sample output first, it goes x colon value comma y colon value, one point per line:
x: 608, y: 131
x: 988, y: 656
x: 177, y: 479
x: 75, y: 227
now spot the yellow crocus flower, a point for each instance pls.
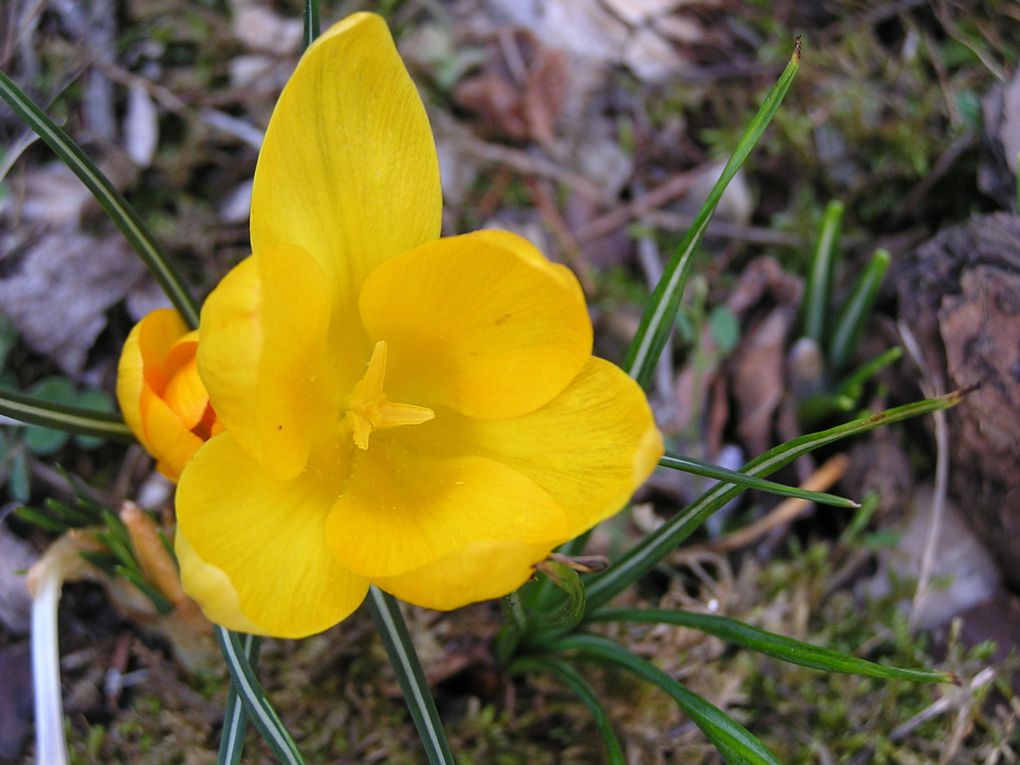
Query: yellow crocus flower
x: 419, y: 413
x: 160, y: 392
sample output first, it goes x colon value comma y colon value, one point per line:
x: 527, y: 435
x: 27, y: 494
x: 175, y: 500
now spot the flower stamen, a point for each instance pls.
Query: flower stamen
x: 368, y: 409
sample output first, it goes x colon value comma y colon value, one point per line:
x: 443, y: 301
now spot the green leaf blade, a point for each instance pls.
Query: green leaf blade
x: 108, y: 196
x: 658, y: 318
x: 819, y: 284
x: 69, y: 419
x: 772, y: 644
x: 736, y: 478
x: 736, y: 744
x: 390, y: 624
x: 573, y: 680
x: 644, y: 556
x: 857, y: 310
x: 256, y: 705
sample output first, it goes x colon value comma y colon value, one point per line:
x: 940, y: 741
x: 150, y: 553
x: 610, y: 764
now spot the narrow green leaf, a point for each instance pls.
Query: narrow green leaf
x: 784, y: 648
x: 256, y: 705
x: 73, y: 517
x: 735, y: 743
x: 852, y: 533
x: 42, y: 520
x: 573, y: 680
x: 70, y: 419
x: 852, y: 385
x: 390, y: 624
x: 819, y: 285
x: 659, y: 315
x: 857, y: 310
x: 646, y: 555
x: 116, y: 206
x: 159, y: 602
x: 313, y: 26
x: 697, y: 467
x: 235, y: 719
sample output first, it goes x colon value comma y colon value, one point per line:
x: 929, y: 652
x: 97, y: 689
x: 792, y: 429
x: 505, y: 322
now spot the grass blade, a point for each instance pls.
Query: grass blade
x: 235, y: 719
x: 857, y: 309
x: 784, y: 648
x: 735, y: 743
x: 390, y: 624
x: 573, y: 680
x: 256, y: 705
x: 697, y: 467
x: 71, y: 419
x: 644, y: 556
x: 659, y: 315
x: 116, y: 206
x: 313, y: 26
x: 819, y: 286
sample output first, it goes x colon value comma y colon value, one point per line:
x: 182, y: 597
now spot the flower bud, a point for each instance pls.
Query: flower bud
x: 160, y: 393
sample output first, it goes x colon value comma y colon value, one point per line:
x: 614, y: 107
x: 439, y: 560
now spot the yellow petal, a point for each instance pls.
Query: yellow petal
x: 210, y: 588
x: 482, y: 323
x: 348, y: 170
x: 481, y: 571
x: 266, y: 537
x: 141, y: 364
x: 263, y: 357
x: 167, y: 439
x: 590, y: 448
x: 186, y: 395
x: 401, y: 511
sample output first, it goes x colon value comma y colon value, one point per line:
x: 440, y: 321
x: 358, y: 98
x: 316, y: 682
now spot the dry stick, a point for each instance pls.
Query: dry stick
x: 624, y: 214
x: 788, y: 510
x: 241, y: 130
x: 528, y: 164
x: 546, y: 206
x: 931, y: 386
x: 677, y: 221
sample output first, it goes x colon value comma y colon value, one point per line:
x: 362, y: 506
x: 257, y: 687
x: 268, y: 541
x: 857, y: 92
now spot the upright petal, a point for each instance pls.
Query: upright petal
x: 482, y: 323
x: 348, y: 170
x: 401, y: 511
x: 256, y: 551
x: 263, y: 357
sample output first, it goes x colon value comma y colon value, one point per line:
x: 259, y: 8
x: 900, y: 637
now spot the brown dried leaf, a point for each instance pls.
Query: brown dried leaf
x: 56, y: 290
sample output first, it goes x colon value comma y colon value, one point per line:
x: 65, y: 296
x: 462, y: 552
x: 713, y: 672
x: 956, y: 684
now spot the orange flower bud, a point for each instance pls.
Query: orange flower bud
x: 160, y: 393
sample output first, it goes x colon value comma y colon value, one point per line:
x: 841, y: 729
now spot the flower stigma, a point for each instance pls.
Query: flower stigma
x: 368, y: 408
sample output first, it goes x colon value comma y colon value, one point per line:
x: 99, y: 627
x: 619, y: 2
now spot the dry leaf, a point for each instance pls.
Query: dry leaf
x: 56, y: 290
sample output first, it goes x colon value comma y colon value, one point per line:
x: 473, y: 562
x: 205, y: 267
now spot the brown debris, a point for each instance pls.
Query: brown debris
x: 960, y: 294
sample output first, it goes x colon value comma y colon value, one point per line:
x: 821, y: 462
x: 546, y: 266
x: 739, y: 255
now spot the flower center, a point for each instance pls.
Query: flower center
x: 368, y: 409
